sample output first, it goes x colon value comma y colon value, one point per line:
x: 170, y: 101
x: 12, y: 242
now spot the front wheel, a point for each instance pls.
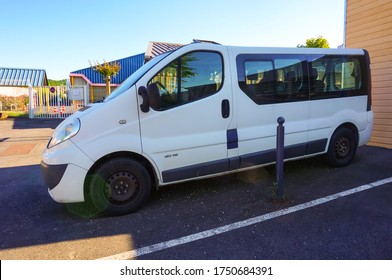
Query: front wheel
x: 342, y: 147
x: 119, y: 186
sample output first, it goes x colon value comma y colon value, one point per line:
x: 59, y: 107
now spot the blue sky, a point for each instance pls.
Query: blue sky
x: 61, y: 36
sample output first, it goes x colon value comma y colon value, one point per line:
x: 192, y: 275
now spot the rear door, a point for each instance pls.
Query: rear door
x: 184, y: 133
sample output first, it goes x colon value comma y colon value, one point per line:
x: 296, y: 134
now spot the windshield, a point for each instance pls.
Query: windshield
x: 131, y: 80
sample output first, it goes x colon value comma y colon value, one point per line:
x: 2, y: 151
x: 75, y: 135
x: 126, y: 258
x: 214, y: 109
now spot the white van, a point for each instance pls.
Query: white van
x: 205, y: 110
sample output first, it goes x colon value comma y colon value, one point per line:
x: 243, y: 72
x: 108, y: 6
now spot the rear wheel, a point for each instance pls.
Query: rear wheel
x: 342, y: 147
x: 119, y: 186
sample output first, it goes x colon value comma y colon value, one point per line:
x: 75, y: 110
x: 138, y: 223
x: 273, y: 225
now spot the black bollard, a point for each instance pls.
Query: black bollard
x: 280, y: 157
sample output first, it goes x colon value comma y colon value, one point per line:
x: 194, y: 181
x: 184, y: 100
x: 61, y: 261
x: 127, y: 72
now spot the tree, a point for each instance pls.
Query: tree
x: 319, y: 42
x: 57, y: 82
x: 107, y: 70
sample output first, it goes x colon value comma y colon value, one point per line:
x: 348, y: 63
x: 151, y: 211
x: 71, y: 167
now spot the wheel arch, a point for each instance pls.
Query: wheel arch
x: 342, y: 146
x: 150, y: 169
x: 350, y: 126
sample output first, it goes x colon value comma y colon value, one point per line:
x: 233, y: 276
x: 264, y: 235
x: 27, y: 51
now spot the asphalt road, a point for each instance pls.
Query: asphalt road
x: 356, y: 226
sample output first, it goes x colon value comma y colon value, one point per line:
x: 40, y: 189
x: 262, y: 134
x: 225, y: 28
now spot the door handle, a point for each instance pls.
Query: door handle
x: 225, y: 108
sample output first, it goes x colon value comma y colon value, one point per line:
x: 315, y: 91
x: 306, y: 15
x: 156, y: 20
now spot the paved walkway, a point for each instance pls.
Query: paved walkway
x: 23, y: 140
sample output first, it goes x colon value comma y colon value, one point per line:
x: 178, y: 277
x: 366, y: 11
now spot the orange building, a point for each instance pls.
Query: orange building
x: 369, y: 26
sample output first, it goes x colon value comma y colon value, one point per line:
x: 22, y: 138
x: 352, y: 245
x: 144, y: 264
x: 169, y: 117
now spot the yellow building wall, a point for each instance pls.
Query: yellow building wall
x: 369, y: 26
x: 97, y: 92
x: 78, y: 81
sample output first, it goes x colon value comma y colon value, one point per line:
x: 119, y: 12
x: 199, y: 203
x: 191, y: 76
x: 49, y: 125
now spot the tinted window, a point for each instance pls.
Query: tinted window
x: 191, y: 77
x: 272, y: 79
x: 332, y: 76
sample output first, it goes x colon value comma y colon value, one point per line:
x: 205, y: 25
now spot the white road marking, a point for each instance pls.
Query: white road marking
x: 219, y: 230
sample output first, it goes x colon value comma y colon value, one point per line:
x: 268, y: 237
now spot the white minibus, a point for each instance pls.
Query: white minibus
x: 204, y: 110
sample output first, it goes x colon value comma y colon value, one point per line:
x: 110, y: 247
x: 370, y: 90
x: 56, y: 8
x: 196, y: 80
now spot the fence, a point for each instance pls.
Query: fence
x: 56, y: 102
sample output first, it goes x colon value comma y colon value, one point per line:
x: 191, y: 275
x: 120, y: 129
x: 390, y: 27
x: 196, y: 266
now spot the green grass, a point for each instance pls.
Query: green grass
x: 16, y: 114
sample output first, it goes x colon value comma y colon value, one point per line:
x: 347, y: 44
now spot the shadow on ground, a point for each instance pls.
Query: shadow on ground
x: 23, y: 123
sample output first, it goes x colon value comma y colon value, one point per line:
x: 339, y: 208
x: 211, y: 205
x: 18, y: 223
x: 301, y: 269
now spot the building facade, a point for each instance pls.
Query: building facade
x: 14, y: 86
x: 369, y: 26
x: 95, y: 82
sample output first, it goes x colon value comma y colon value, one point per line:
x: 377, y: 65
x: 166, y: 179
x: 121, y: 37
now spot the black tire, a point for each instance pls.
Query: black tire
x: 342, y: 147
x: 119, y: 186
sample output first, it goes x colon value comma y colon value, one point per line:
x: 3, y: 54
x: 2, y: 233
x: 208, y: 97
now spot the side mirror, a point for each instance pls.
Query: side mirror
x: 145, y: 106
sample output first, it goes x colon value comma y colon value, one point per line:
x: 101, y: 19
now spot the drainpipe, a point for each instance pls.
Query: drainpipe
x: 345, y: 23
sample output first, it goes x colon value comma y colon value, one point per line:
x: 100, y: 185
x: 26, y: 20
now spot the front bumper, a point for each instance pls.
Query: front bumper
x: 64, y: 168
x: 52, y: 173
x: 70, y: 186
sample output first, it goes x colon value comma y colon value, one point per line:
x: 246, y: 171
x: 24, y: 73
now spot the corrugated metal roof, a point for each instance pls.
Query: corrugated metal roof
x: 128, y: 66
x: 22, y: 77
x: 157, y: 48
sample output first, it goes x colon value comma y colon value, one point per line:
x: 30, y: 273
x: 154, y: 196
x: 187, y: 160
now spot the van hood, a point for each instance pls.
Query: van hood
x: 86, y: 110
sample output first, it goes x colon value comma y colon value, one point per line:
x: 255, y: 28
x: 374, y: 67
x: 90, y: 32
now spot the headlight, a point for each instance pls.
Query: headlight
x: 64, y: 131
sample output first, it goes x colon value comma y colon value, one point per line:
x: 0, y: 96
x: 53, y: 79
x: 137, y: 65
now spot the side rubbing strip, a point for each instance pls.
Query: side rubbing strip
x: 194, y: 171
x: 232, y: 139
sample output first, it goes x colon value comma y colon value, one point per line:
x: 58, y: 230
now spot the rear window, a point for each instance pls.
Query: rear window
x: 335, y: 76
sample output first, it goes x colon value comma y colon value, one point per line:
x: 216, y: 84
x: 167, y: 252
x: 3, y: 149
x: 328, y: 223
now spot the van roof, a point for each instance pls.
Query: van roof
x: 283, y: 50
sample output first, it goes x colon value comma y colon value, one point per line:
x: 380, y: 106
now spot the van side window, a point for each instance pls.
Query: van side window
x: 190, y: 77
x: 335, y: 77
x: 272, y: 79
x: 347, y: 74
